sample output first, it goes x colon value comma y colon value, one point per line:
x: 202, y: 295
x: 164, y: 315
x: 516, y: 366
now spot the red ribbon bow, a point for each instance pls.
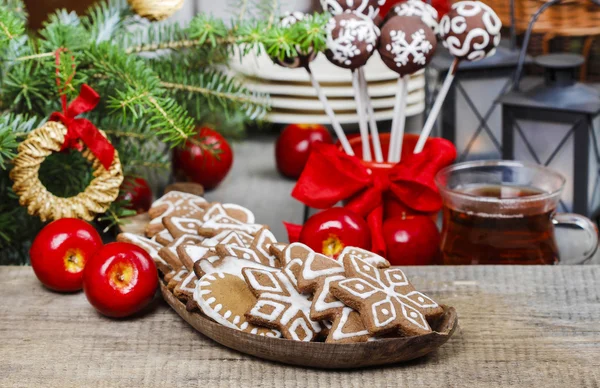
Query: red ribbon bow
x: 83, y: 129
x: 331, y: 176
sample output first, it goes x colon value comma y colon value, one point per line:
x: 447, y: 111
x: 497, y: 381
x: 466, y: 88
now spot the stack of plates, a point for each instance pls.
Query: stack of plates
x: 294, y: 100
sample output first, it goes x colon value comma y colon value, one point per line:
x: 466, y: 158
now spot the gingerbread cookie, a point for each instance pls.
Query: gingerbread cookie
x: 317, y: 274
x: 232, y: 210
x: 262, y: 243
x: 384, y: 298
x: 189, y: 224
x: 280, y: 305
x: 225, y: 298
x: 164, y: 237
x: 150, y: 246
x: 347, y: 328
x: 189, y: 254
x: 182, y: 208
x: 221, y: 223
x: 179, y: 276
x: 228, y: 264
x: 167, y: 203
x: 184, y: 290
x: 169, y: 253
x: 239, y: 252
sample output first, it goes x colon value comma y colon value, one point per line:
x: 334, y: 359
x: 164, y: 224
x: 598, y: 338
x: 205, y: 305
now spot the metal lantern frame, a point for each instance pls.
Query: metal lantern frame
x: 578, y: 118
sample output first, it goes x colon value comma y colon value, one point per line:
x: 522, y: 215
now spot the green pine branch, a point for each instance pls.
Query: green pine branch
x: 210, y: 89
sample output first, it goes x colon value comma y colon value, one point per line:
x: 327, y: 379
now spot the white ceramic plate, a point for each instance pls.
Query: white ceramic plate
x: 381, y: 89
x: 280, y: 117
x: 346, y: 104
x: 262, y: 67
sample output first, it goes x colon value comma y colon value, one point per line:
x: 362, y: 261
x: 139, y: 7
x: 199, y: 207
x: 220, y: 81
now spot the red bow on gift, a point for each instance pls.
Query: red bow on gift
x: 331, y: 176
x: 83, y: 129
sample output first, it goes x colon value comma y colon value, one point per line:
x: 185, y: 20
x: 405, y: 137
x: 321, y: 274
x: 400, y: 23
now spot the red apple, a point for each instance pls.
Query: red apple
x: 412, y: 240
x: 136, y: 191
x: 60, y: 252
x: 205, y: 159
x: 120, y: 280
x: 331, y: 230
x: 294, y: 145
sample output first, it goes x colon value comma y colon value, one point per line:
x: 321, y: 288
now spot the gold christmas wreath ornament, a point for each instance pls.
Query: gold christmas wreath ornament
x: 155, y: 9
x: 96, y: 198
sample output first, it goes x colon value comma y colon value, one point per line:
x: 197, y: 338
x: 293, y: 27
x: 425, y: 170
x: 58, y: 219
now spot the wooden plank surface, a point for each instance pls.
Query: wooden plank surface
x: 519, y: 327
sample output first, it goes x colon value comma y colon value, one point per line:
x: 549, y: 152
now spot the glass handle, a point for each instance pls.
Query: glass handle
x: 576, y: 222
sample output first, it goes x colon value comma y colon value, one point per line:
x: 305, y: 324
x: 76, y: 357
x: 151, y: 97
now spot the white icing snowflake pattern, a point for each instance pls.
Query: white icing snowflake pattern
x: 280, y: 304
x: 418, y: 8
x: 395, y: 304
x: 351, y: 32
x: 403, y: 50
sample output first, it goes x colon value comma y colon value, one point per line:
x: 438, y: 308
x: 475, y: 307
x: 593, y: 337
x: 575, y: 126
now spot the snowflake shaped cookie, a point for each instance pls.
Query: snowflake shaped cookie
x: 280, y: 305
x: 384, y: 298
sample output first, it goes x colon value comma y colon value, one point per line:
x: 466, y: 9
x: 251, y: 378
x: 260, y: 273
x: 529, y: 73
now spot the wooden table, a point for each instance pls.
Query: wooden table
x: 519, y: 327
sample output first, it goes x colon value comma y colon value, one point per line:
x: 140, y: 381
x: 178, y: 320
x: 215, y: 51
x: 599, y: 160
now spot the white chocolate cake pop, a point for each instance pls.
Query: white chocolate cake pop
x: 351, y: 40
x: 407, y: 44
x: 369, y: 8
x: 426, y: 12
x: 303, y: 58
x: 471, y: 30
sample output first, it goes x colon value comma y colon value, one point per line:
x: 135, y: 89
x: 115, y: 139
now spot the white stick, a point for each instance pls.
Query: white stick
x: 396, y: 115
x: 362, y: 120
x: 401, y: 120
x: 339, y: 131
x: 371, y: 115
x: 435, y: 111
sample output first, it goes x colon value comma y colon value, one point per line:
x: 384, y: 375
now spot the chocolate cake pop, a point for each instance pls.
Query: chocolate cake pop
x: 303, y: 58
x: 426, y: 12
x: 407, y: 44
x: 351, y: 40
x: 471, y: 30
x: 369, y: 8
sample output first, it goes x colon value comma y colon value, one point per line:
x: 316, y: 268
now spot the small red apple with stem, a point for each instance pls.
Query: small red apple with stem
x: 137, y: 192
x: 120, y: 280
x: 205, y: 159
x: 412, y: 240
x: 60, y: 252
x: 294, y: 146
x: 331, y: 230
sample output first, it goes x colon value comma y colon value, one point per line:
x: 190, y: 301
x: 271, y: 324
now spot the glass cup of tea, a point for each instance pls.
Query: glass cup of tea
x: 504, y: 212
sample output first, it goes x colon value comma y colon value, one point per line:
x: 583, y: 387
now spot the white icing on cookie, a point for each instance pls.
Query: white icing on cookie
x: 149, y: 245
x: 339, y: 334
x: 284, y: 303
x: 222, y: 222
x: 220, y: 310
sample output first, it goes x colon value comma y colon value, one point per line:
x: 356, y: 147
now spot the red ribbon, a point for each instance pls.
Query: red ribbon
x: 331, y: 176
x: 80, y: 128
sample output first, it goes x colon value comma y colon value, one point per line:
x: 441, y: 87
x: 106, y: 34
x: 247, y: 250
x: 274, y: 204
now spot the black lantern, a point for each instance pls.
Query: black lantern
x: 557, y: 123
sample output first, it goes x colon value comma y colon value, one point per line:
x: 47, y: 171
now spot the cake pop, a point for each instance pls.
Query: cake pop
x: 470, y: 31
x: 407, y: 45
x: 303, y: 60
x: 426, y: 12
x: 369, y: 8
x: 352, y: 38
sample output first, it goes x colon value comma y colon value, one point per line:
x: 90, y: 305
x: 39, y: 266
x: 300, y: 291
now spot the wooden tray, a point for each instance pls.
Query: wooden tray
x: 318, y: 354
